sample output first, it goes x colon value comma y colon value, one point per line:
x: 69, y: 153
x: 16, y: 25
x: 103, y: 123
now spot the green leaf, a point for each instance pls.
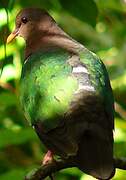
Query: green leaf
x: 84, y: 10
x: 111, y: 4
x: 4, y: 3
x: 39, y: 3
x: 7, y: 99
x: 8, y: 4
x: 14, y: 174
x: 11, y: 4
x: 16, y: 137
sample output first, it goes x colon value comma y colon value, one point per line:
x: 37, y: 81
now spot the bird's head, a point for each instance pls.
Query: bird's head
x: 31, y: 22
x: 40, y: 31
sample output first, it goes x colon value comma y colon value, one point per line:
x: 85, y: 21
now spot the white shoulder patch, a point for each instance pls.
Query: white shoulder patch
x: 80, y: 69
x: 85, y: 87
x: 82, y: 75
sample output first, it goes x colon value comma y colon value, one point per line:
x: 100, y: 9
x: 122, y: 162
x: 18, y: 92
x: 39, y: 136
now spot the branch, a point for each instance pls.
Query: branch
x: 120, y: 163
x: 46, y: 170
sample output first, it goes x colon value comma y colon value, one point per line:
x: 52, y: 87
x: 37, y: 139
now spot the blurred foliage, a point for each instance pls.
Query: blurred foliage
x: 101, y: 26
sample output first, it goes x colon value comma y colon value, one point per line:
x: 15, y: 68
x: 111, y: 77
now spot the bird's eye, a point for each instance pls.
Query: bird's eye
x: 24, y: 20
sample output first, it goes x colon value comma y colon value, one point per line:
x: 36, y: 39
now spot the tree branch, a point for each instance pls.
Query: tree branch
x: 120, y: 163
x: 46, y: 170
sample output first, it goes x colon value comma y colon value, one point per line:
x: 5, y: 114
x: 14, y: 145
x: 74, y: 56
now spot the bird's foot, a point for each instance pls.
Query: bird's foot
x: 48, y: 158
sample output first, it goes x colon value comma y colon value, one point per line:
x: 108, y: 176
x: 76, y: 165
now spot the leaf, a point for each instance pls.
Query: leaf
x: 39, y: 3
x: 4, y: 3
x: 16, y: 174
x: 84, y: 10
x: 7, y: 4
x: 7, y: 99
x: 111, y: 4
x: 11, y: 4
x: 13, y: 174
x: 20, y: 136
x: 119, y: 149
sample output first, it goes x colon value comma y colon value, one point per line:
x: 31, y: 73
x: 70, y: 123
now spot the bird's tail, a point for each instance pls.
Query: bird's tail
x: 95, y: 156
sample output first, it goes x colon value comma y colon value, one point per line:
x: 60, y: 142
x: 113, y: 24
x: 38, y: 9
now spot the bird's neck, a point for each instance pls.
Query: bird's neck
x: 56, y: 38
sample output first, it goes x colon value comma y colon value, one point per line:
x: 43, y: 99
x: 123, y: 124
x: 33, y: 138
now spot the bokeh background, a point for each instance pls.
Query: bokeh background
x: 98, y: 24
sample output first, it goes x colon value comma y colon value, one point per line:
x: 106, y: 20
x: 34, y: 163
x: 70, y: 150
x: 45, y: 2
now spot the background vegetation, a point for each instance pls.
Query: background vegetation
x: 101, y: 26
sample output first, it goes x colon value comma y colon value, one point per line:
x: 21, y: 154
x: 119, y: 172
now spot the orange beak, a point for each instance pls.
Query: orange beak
x: 12, y: 36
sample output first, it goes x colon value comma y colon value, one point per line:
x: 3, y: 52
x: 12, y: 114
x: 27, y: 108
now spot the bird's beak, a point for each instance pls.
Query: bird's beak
x: 12, y: 36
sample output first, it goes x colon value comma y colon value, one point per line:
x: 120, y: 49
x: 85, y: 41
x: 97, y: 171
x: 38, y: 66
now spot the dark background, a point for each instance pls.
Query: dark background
x: 101, y: 26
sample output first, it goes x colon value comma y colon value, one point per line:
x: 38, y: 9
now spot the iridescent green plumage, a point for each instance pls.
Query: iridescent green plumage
x: 50, y: 86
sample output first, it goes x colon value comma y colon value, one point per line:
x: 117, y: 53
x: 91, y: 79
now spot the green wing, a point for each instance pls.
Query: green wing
x: 100, y: 81
x: 47, y: 87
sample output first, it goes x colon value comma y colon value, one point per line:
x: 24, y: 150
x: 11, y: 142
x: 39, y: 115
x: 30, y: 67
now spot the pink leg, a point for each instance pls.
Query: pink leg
x: 48, y: 157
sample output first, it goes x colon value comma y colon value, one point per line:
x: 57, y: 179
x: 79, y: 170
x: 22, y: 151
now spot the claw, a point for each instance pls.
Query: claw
x: 48, y: 157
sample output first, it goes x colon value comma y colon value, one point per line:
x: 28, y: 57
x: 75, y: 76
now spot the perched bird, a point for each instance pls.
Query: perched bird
x: 66, y: 94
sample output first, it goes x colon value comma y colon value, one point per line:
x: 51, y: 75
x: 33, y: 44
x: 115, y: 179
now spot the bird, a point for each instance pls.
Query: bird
x: 65, y: 94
